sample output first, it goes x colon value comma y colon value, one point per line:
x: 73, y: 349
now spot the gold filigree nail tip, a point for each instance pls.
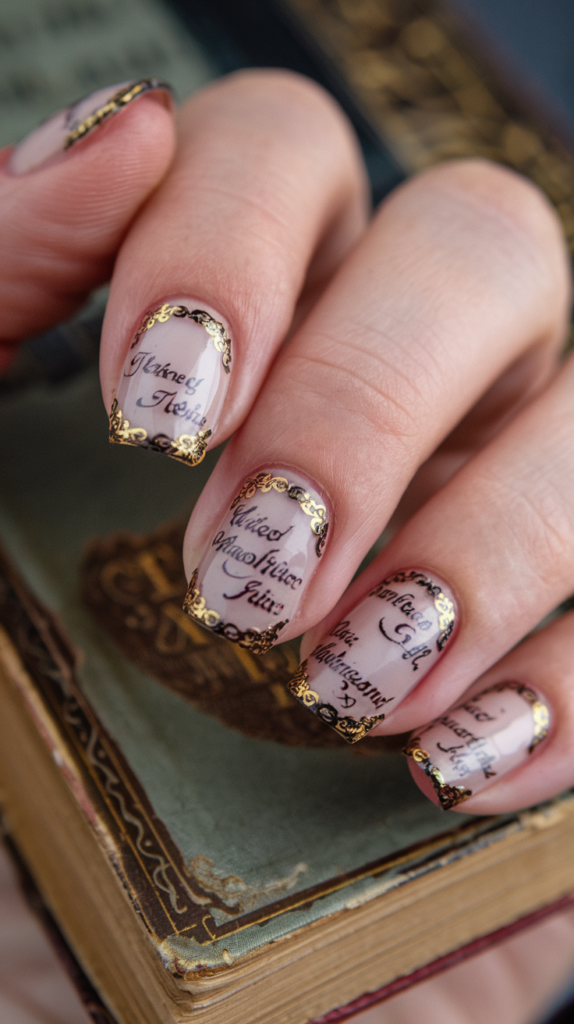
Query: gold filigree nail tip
x: 253, y: 640
x: 215, y: 329
x: 540, y: 711
x: 188, y: 448
x: 117, y: 102
x: 265, y: 482
x: 448, y: 796
x: 351, y: 729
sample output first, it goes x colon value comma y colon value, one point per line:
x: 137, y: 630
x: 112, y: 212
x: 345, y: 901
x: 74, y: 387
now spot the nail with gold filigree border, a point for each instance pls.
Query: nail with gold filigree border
x: 174, y: 381
x: 66, y: 128
x: 377, y: 654
x: 260, y: 559
x: 486, y: 735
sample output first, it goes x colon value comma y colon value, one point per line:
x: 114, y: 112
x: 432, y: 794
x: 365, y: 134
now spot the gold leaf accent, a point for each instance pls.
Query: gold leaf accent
x: 263, y: 482
x: 216, y: 330
x: 117, y: 102
x: 259, y: 642
x: 351, y: 729
x: 446, y: 617
x: 299, y: 687
x: 254, y: 640
x: 190, y: 448
x: 541, y: 719
x: 449, y: 796
x: 540, y: 712
x: 194, y: 605
x: 218, y: 334
x: 266, y: 482
x: 120, y: 430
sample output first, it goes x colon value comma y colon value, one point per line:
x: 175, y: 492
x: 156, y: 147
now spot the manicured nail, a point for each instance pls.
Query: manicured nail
x: 68, y: 126
x: 173, y: 383
x: 374, y: 657
x: 260, y: 559
x: 481, y: 739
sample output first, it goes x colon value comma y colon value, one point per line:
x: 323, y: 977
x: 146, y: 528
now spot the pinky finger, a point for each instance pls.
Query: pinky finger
x: 508, y: 741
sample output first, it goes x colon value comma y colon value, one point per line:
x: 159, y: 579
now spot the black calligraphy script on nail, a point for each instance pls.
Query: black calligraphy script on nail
x: 163, y: 370
x: 405, y: 634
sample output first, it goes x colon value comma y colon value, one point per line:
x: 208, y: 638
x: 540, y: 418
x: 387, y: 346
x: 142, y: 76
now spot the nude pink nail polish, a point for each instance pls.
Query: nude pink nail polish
x: 68, y: 126
x: 261, y: 557
x: 373, y: 658
x: 173, y: 382
x: 477, y: 741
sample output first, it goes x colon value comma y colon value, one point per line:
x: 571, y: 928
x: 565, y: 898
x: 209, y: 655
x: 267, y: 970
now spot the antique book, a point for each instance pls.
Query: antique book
x: 207, y: 847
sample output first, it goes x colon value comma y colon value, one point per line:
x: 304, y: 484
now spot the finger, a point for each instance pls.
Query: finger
x: 68, y: 192
x: 499, y: 536
x: 414, y: 328
x: 507, y: 743
x: 267, y: 193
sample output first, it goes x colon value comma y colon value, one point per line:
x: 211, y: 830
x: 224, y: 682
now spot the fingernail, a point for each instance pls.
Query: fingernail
x: 374, y: 657
x: 261, y: 557
x: 68, y: 126
x: 479, y: 740
x: 173, y: 382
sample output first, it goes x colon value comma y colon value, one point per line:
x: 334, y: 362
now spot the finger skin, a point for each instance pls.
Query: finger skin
x: 61, y: 224
x: 267, y: 189
x: 416, y: 325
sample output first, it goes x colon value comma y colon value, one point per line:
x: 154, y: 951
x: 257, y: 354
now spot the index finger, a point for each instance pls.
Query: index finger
x: 265, y: 197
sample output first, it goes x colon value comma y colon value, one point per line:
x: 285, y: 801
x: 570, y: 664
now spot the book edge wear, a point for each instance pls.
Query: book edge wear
x: 169, y: 899
x: 39, y: 662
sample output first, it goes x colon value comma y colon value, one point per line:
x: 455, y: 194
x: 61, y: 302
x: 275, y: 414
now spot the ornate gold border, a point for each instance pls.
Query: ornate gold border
x: 188, y: 448
x: 252, y: 639
x: 351, y: 729
x: 450, y: 796
x: 215, y: 329
x: 266, y: 482
x: 118, y: 101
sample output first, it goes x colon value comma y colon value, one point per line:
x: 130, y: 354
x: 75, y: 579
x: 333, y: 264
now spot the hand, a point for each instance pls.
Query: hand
x: 420, y: 382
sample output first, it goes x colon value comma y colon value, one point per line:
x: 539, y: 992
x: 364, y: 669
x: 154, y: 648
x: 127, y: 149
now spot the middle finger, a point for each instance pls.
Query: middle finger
x: 462, y: 272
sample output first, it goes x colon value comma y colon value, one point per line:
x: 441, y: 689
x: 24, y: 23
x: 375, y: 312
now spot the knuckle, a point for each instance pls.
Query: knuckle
x: 507, y: 215
x: 539, y: 527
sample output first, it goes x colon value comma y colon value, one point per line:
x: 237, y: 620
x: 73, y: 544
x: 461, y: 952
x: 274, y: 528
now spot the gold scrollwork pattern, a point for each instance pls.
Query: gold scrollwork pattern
x: 120, y: 430
x: 351, y: 729
x: 263, y: 482
x: 116, y: 103
x: 266, y: 482
x: 449, y: 796
x: 188, y: 448
x: 540, y: 712
x: 216, y: 330
x: 446, y: 617
x: 194, y: 605
x: 254, y: 640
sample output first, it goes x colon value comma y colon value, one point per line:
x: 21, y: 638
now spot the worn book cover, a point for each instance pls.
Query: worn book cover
x: 247, y: 848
